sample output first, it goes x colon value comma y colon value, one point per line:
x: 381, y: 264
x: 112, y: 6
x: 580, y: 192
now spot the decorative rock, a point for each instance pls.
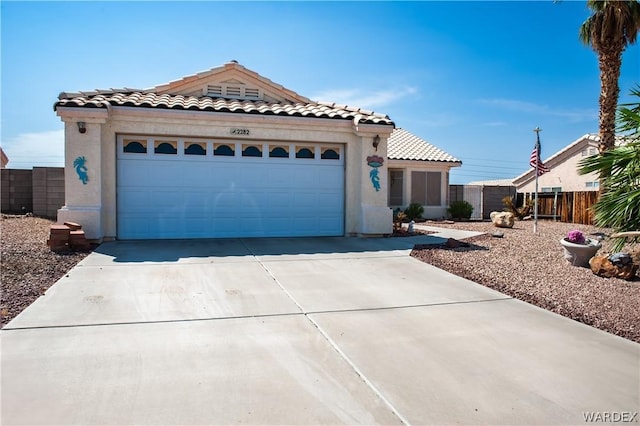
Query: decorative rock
x: 498, y: 234
x: 453, y: 243
x: 602, y: 266
x: 620, y: 259
x: 502, y: 219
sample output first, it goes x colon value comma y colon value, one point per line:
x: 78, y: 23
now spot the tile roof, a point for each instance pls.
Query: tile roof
x: 403, y: 145
x: 179, y: 95
x: 148, y: 99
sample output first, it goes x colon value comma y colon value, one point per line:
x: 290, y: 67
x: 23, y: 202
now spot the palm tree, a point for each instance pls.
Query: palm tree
x: 619, y: 206
x: 613, y: 25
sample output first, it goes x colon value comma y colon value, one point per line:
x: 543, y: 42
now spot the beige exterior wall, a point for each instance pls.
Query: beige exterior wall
x: 564, y: 172
x: 430, y: 212
x: 94, y: 204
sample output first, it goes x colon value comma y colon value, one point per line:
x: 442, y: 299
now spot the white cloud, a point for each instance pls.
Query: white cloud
x: 575, y: 115
x: 364, y: 98
x: 35, y: 149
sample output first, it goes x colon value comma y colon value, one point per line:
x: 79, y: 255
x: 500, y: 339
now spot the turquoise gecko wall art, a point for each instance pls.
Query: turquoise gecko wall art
x: 375, y: 161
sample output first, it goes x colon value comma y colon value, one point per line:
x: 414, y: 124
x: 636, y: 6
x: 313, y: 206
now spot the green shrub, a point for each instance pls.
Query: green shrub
x: 460, y: 210
x: 414, y: 211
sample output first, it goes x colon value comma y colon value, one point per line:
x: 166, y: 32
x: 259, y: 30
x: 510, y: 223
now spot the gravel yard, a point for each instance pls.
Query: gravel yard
x: 531, y: 267
x: 524, y: 265
x: 28, y: 267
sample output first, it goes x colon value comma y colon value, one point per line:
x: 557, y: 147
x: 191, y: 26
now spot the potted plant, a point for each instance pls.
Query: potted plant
x: 578, y: 249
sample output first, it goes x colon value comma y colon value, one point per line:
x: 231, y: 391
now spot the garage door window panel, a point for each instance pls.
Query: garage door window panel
x: 305, y: 153
x: 251, y: 151
x: 223, y: 150
x: 195, y: 148
x: 278, y: 152
x: 330, y: 154
x: 165, y: 147
x: 134, y: 146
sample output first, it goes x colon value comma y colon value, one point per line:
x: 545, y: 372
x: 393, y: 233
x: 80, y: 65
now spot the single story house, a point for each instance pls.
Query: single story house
x: 563, y: 175
x: 418, y: 173
x: 229, y: 153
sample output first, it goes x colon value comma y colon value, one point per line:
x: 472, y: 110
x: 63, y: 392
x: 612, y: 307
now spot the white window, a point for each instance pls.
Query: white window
x: 551, y: 189
x: 426, y: 188
x: 396, y: 187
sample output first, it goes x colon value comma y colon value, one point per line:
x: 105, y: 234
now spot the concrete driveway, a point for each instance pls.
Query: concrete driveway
x: 300, y: 331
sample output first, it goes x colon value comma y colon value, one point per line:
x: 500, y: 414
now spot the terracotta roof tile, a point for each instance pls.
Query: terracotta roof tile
x: 403, y: 145
x: 149, y: 99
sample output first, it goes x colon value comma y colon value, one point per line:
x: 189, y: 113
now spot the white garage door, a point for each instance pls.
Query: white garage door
x: 184, y: 188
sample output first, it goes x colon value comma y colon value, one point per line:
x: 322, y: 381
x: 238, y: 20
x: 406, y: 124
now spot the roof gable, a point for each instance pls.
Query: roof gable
x: 231, y: 88
x: 230, y: 81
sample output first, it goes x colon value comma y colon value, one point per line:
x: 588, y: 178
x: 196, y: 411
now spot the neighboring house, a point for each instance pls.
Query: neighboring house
x: 563, y: 175
x: 3, y: 159
x: 494, y: 182
x: 418, y: 173
x: 229, y: 153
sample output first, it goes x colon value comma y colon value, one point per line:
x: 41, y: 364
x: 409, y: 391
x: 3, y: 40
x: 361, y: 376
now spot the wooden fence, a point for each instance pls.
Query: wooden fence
x: 570, y: 207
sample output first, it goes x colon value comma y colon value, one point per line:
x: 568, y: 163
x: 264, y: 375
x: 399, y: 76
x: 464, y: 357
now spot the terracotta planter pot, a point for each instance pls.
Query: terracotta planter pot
x: 579, y: 254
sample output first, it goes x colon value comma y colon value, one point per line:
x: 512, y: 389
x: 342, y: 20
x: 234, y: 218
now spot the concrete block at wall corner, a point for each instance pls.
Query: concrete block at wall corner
x: 376, y: 220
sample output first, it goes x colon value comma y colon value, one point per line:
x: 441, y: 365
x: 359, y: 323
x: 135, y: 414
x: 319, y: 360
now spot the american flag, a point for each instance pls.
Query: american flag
x: 535, y: 162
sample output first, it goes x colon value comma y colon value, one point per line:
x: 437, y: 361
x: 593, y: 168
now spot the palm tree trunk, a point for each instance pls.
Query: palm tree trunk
x: 610, y: 63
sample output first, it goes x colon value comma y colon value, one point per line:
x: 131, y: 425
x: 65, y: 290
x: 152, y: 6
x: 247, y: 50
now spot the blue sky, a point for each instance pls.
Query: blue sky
x: 473, y: 78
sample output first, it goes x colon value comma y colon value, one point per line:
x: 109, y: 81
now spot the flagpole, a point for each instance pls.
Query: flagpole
x: 535, y: 204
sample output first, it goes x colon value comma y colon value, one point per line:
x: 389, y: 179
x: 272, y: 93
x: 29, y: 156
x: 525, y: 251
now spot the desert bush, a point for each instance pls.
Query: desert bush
x: 518, y: 212
x: 414, y: 211
x: 460, y: 210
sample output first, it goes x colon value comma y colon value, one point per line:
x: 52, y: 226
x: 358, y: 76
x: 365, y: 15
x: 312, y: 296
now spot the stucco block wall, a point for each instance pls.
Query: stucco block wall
x: 40, y: 191
x: 48, y: 191
x: 17, y: 188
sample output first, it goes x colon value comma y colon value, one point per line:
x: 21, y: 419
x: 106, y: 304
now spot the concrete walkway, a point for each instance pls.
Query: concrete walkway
x: 299, y: 331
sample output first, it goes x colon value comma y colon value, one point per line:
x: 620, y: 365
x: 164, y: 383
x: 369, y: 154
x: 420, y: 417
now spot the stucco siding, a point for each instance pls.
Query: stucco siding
x: 365, y: 207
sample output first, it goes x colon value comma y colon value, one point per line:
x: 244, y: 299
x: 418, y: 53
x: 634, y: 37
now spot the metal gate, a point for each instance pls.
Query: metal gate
x: 473, y: 195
